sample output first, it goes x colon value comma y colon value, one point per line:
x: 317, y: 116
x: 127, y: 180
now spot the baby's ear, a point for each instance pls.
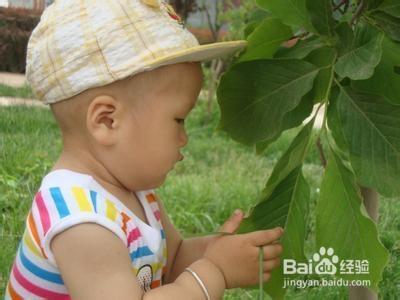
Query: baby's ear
x: 102, y: 119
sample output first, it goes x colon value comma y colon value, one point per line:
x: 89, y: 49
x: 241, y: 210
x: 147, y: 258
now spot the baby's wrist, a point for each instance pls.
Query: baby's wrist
x: 211, y: 276
x: 216, y: 267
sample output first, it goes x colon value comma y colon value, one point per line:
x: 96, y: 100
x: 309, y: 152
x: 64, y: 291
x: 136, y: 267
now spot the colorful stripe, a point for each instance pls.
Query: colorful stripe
x: 26, y: 284
x: 140, y: 252
x: 111, y: 211
x: 93, y: 197
x: 44, y: 214
x: 133, y: 235
x: 157, y: 214
x: 59, y: 201
x: 30, y: 272
x: 81, y: 199
x: 32, y: 227
x: 39, y: 272
x: 31, y: 245
x: 14, y: 295
x: 151, y: 198
x: 155, y: 284
x: 125, y: 219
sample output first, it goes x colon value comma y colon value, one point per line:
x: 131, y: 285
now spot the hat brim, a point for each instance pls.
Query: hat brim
x: 199, y: 53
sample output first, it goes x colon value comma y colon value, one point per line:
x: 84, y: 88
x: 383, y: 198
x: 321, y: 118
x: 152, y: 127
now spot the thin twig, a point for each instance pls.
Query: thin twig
x: 299, y: 36
x: 210, y: 24
x: 336, y: 7
x: 358, y: 12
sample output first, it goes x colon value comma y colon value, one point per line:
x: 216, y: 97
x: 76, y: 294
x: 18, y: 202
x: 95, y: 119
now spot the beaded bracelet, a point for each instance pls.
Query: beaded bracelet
x: 203, y: 287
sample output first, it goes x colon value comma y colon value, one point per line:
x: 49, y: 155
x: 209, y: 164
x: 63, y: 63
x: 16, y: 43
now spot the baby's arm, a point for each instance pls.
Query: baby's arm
x: 99, y: 267
x: 181, y: 252
x: 95, y: 264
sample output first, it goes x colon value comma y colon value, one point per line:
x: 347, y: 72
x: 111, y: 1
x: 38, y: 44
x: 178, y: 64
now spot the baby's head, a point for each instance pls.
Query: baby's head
x: 119, y: 79
x: 133, y: 127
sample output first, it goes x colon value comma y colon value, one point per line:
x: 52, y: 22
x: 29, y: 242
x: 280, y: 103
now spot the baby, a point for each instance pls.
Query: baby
x: 121, y: 77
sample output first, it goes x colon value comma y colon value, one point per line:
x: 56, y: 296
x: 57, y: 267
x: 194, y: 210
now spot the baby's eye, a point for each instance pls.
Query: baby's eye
x: 180, y: 121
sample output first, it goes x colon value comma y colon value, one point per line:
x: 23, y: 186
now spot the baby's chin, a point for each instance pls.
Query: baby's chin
x: 155, y: 183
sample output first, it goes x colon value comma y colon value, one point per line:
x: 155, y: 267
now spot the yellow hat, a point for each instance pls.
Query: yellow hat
x: 78, y: 45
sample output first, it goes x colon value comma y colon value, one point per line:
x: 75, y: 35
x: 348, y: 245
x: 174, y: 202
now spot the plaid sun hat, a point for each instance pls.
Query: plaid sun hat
x: 78, y: 45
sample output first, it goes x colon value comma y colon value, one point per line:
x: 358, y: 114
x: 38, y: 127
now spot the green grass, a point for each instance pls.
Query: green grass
x: 217, y: 176
x: 22, y: 92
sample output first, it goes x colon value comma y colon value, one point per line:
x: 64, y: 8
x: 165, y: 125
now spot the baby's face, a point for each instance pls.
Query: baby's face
x: 153, y: 132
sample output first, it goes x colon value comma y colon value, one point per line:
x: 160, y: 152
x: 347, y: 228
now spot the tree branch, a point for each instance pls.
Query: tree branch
x: 358, y: 12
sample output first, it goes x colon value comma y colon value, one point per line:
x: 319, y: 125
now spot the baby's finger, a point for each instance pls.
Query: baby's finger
x: 264, y: 237
x: 272, y: 251
x: 271, y: 264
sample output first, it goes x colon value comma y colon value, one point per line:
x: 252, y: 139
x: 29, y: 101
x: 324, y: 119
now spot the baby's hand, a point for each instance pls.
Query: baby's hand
x: 237, y: 255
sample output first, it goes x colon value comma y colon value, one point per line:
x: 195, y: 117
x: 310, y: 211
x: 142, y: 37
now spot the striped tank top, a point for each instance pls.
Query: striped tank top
x: 66, y: 198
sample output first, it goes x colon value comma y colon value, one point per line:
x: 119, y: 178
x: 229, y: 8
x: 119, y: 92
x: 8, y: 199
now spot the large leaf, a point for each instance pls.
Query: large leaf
x: 346, y: 38
x: 391, y: 7
x: 265, y: 39
x: 371, y: 126
x: 255, y: 95
x: 389, y: 24
x: 291, y: 119
x: 291, y: 12
x: 285, y: 202
x: 343, y: 224
x: 290, y: 160
x: 301, y: 49
x: 373, y: 3
x: 361, y: 55
x: 335, y: 127
x: 385, y: 80
x: 255, y: 19
x: 324, y: 58
x: 321, y: 16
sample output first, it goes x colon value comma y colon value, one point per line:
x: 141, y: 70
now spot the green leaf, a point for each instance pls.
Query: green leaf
x: 285, y: 202
x: 343, y: 224
x: 291, y: 119
x: 291, y: 12
x: 250, y: 28
x: 321, y: 16
x: 255, y: 19
x: 391, y: 7
x: 255, y: 95
x: 324, y: 58
x: 359, y: 57
x: 346, y: 38
x: 385, y: 80
x: 291, y: 159
x: 295, y: 195
x: 373, y: 3
x: 265, y: 39
x: 371, y: 126
x: 301, y: 49
x: 389, y: 24
x: 334, y: 125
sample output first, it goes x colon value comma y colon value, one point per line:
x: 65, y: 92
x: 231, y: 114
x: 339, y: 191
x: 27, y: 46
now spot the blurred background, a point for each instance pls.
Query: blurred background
x: 217, y: 176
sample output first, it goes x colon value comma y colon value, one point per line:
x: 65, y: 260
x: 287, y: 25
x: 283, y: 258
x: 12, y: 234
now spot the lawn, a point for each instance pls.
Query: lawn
x: 217, y: 176
x: 22, y: 92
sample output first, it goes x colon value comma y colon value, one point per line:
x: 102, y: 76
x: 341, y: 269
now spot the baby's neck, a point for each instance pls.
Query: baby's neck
x: 104, y: 178
x: 82, y: 162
